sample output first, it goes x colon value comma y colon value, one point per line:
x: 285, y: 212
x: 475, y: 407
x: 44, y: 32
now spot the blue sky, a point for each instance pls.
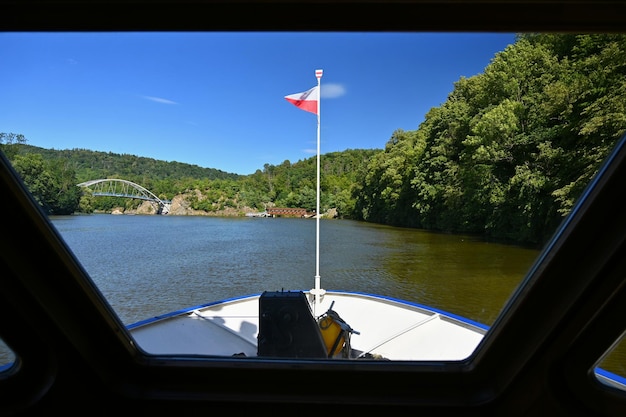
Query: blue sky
x: 217, y: 99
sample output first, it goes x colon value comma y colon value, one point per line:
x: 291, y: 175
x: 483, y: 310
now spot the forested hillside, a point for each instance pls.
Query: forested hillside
x: 91, y: 165
x: 512, y: 148
x: 204, y: 189
x: 505, y: 156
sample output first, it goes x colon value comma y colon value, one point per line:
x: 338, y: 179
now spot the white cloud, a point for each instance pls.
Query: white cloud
x: 159, y: 100
x: 332, y: 90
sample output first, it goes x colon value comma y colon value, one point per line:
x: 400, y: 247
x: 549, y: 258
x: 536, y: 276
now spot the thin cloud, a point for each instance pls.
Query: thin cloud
x: 159, y: 100
x: 332, y: 90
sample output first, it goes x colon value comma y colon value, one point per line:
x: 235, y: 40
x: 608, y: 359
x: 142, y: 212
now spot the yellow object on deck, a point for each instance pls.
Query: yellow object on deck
x: 332, y: 333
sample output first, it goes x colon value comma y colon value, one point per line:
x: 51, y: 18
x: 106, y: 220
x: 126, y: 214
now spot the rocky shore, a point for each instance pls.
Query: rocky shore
x: 181, y: 207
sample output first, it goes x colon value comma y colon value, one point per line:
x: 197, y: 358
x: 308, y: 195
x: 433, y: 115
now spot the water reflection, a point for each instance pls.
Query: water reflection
x: 457, y: 273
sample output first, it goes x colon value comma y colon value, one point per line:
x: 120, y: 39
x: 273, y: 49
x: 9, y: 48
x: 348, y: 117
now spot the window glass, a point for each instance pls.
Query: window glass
x: 181, y: 171
x: 7, y: 357
x: 612, y: 369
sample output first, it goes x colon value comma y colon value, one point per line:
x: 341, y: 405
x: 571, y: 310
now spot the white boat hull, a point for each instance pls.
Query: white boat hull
x: 387, y: 328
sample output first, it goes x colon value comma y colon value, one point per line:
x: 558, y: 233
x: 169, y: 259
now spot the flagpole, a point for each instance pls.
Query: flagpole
x: 318, y: 291
x: 305, y: 101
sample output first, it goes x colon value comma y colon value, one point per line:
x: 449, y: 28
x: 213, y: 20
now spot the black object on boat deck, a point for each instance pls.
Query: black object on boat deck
x: 287, y: 327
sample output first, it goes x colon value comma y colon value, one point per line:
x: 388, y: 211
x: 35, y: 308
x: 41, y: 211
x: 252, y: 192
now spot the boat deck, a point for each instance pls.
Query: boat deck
x: 386, y: 328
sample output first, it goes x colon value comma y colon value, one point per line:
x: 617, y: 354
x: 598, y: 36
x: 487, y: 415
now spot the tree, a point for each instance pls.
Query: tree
x: 9, y: 142
x: 511, y: 149
x: 32, y: 170
x: 52, y: 185
x: 386, y: 194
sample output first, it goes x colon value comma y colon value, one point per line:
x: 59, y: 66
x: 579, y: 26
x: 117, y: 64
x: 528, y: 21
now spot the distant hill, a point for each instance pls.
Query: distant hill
x: 90, y: 165
x: 212, y: 191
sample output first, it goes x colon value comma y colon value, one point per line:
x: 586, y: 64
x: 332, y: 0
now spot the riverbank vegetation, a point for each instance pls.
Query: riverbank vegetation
x: 504, y: 157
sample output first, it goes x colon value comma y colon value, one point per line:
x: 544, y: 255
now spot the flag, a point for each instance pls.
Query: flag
x: 306, y: 101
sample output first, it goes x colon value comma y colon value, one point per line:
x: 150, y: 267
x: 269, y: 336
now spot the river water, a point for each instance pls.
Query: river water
x: 149, y: 265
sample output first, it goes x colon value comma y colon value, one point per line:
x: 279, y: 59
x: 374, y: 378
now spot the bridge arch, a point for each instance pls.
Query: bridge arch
x: 114, y: 187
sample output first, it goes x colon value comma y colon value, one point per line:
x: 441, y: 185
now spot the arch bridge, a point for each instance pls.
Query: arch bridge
x: 113, y: 187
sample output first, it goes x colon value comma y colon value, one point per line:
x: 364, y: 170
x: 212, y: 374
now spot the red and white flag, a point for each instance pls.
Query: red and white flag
x: 306, y: 101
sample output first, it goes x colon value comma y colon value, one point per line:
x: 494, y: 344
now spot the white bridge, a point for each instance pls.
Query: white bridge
x: 113, y: 187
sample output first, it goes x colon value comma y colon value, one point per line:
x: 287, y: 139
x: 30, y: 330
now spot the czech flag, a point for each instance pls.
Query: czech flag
x: 306, y: 101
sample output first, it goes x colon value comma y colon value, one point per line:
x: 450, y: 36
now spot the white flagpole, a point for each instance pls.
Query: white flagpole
x: 318, y: 291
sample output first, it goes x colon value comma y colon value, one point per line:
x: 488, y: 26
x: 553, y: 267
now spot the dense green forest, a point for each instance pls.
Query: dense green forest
x: 512, y: 148
x: 206, y: 189
x: 91, y: 165
x: 505, y: 156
